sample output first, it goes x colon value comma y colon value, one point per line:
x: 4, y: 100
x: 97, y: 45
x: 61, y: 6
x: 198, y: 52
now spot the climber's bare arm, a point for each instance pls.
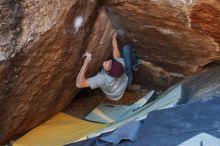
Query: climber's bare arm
x: 116, y: 50
x: 81, y: 81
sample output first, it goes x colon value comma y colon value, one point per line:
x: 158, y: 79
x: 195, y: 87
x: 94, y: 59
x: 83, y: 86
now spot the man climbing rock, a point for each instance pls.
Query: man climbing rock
x: 115, y: 75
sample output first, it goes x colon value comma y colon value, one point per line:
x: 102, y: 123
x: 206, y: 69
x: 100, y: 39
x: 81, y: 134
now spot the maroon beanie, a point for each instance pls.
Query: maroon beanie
x: 116, y: 70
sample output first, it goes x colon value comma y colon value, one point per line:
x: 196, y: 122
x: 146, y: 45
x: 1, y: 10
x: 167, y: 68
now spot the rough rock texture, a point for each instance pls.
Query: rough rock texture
x: 204, y: 85
x: 41, y: 44
x: 178, y: 36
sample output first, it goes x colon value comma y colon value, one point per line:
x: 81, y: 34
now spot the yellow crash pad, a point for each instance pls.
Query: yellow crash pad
x: 59, y: 130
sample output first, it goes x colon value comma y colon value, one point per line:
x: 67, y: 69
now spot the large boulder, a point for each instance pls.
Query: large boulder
x: 41, y: 48
x: 175, y: 38
x: 42, y: 43
x: 204, y: 85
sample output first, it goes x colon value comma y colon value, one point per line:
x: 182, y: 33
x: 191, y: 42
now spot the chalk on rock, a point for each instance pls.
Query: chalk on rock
x: 78, y: 23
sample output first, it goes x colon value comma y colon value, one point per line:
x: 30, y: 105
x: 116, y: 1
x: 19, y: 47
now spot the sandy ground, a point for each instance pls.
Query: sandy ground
x: 88, y: 99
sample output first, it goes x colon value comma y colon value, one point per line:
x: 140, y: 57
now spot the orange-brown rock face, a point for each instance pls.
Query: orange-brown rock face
x: 41, y: 44
x: 177, y: 37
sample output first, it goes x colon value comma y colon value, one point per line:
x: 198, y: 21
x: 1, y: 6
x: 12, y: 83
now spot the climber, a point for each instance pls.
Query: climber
x: 115, y: 75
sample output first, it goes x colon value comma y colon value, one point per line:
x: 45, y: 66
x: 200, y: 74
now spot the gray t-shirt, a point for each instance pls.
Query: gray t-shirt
x: 113, y: 88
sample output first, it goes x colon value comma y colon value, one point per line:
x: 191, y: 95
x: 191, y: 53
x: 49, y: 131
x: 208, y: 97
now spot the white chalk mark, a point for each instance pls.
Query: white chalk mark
x: 166, y: 31
x: 161, y: 30
x: 78, y: 23
x: 3, y: 56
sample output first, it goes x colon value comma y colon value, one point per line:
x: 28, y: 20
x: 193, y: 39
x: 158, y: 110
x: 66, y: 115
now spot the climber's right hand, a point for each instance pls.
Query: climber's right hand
x: 115, y: 35
x: 88, y: 57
